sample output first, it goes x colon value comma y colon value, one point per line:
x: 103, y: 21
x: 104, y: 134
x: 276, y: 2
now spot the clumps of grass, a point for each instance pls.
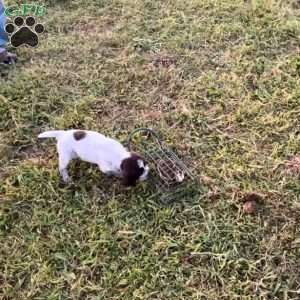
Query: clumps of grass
x: 220, y: 81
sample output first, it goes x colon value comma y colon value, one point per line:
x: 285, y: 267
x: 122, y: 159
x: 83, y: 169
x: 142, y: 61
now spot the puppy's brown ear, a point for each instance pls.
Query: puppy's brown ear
x: 128, y: 181
x: 130, y: 171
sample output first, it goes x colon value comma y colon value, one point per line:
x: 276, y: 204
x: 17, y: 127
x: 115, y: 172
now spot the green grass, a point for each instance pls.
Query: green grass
x: 229, y: 98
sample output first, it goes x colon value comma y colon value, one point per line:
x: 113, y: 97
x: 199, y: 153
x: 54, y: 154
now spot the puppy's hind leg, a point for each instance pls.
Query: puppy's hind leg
x: 64, y: 159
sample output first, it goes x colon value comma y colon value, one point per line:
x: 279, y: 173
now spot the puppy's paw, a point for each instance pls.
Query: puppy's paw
x: 127, y: 188
x: 109, y: 174
x: 66, y: 178
x: 65, y: 183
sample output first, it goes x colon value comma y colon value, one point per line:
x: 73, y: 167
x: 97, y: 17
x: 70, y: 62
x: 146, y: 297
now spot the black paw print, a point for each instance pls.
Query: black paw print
x: 24, y: 34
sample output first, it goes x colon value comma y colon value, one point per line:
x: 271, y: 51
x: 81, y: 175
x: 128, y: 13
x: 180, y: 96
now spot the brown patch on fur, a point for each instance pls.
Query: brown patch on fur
x: 79, y: 135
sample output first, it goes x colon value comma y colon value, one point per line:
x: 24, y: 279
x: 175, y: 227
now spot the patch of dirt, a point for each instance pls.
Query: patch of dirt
x: 252, y: 197
x: 249, y: 207
x: 162, y: 60
x: 151, y: 115
x: 251, y: 202
x: 165, y: 61
x: 293, y: 166
x: 296, y: 4
x: 93, y: 27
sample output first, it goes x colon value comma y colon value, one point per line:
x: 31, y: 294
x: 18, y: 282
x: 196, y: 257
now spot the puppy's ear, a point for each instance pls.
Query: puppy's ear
x: 128, y: 181
x: 128, y: 176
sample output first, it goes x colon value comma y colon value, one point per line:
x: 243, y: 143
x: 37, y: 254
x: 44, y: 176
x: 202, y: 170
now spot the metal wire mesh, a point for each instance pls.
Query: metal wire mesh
x: 169, y: 174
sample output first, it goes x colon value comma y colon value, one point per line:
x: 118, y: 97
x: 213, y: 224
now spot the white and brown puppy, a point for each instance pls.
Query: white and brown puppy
x: 110, y: 155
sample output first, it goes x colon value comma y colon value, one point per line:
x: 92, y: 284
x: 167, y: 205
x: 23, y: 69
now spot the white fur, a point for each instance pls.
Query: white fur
x: 95, y: 148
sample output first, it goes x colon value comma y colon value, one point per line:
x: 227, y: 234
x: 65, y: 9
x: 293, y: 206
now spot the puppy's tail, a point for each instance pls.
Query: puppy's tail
x: 50, y: 134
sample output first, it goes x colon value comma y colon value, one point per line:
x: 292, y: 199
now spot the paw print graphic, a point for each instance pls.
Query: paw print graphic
x: 24, y: 32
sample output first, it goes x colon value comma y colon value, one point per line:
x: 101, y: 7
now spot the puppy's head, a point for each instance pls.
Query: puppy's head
x: 134, y: 169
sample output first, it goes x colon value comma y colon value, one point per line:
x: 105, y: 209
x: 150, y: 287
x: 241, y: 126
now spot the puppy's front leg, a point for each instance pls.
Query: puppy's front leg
x: 106, y: 169
x: 114, y: 173
x: 118, y: 175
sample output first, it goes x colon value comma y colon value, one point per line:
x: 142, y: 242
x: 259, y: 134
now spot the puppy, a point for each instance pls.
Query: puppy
x: 110, y: 155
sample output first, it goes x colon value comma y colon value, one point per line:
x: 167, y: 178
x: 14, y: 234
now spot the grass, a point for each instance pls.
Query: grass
x: 220, y: 80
